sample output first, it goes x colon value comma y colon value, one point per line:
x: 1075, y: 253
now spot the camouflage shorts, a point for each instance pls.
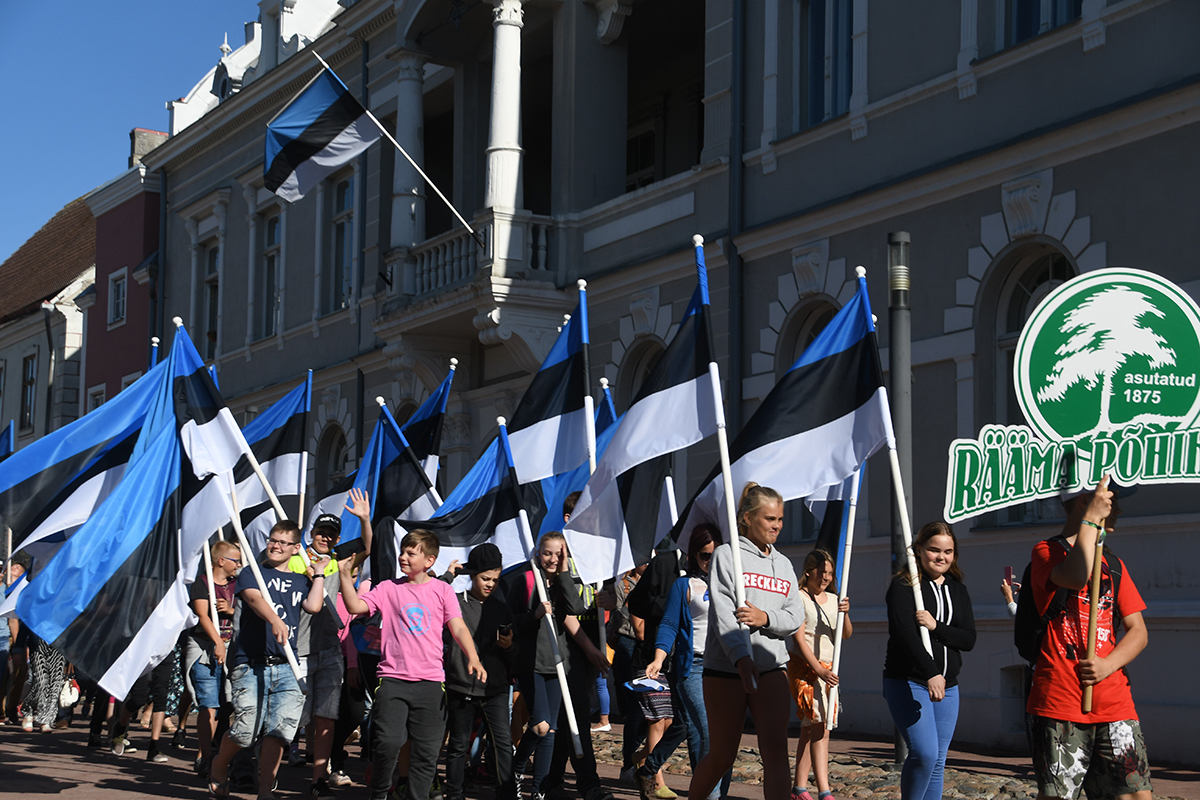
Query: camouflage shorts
x: 1105, y: 759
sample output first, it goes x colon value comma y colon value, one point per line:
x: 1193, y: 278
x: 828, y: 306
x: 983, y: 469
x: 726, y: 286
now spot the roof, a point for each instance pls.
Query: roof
x: 49, y: 261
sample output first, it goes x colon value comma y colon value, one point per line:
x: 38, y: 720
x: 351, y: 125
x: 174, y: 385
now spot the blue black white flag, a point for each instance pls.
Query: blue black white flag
x: 823, y: 419
x: 485, y: 507
x: 322, y: 129
x: 557, y: 488
x: 423, y: 430
x: 8, y: 608
x: 8, y: 440
x: 549, y: 430
x: 114, y: 599
x: 393, y: 479
x: 278, y: 438
x: 615, y: 522
x: 53, y: 485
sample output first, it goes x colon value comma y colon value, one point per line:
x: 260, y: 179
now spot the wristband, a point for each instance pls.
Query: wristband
x: 1091, y: 524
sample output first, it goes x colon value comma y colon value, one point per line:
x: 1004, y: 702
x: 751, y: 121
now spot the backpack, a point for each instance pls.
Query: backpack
x: 1029, y: 627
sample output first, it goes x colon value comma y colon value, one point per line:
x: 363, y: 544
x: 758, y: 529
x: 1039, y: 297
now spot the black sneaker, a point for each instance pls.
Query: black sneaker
x: 320, y: 789
x: 598, y: 793
x: 435, y: 788
x: 95, y: 740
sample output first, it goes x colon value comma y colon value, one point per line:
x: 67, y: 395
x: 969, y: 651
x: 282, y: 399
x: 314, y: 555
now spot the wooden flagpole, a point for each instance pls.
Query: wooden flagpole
x: 843, y: 593
x: 543, y: 597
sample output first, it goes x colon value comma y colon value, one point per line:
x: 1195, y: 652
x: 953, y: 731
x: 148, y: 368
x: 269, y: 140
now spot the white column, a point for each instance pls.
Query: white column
x: 318, y: 257
x: 251, y: 197
x: 193, y: 230
x: 408, y: 189
x: 220, y: 211
x: 504, y: 186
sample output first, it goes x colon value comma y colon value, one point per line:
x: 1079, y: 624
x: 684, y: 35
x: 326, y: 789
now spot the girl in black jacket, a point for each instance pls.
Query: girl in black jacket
x: 922, y: 690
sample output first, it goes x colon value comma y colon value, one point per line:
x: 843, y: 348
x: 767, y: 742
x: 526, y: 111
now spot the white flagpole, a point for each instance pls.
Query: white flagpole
x: 669, y: 490
x: 304, y: 465
x: 843, y: 580
x: 212, y: 591
x: 735, y: 545
x: 415, y: 165
x: 7, y: 558
x: 543, y: 597
x: 252, y: 561
x: 906, y: 530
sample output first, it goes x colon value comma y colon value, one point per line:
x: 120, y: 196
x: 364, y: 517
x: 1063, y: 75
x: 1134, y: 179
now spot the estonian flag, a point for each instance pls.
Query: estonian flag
x: 114, y: 599
x: 56, y: 483
x: 8, y: 608
x: 278, y: 438
x: 823, y: 419
x: 548, y: 431
x: 393, y: 480
x: 8, y: 440
x: 484, y: 507
x: 615, y: 522
x: 557, y: 488
x: 323, y: 128
x: 423, y: 430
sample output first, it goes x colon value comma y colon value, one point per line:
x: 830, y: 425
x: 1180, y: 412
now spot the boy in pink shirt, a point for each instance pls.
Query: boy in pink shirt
x: 410, y: 698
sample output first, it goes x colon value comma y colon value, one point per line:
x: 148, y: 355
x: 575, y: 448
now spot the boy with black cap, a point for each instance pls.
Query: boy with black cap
x: 490, y: 621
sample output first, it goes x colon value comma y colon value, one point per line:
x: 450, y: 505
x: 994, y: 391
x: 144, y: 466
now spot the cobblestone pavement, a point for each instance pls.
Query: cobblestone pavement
x: 59, y: 763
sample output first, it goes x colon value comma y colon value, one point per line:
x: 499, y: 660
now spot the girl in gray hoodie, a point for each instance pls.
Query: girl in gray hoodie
x: 749, y: 669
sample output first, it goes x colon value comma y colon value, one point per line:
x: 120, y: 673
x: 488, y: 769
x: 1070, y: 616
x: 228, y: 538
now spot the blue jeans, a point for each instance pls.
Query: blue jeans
x: 927, y: 728
x: 206, y: 683
x: 266, y: 700
x: 602, y: 694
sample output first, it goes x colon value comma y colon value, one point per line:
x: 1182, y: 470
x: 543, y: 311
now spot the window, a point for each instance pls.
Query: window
x: 1025, y: 19
x: 822, y: 73
x: 1036, y: 271
x: 1, y: 391
x: 212, y: 296
x: 95, y: 398
x: 28, y: 391
x: 117, y: 285
x: 640, y: 157
x: 333, y: 458
x: 341, y: 278
x: 130, y: 379
x: 269, y: 285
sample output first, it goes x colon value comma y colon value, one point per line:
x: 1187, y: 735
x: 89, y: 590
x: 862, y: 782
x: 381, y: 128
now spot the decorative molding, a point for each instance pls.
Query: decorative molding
x: 644, y: 310
x: 809, y: 264
x: 1094, y: 35
x: 522, y: 315
x: 967, y: 85
x: 611, y: 14
x: 333, y: 409
x: 508, y: 12
x: 769, y: 162
x: 858, y: 127
x: 456, y: 433
x: 1029, y: 210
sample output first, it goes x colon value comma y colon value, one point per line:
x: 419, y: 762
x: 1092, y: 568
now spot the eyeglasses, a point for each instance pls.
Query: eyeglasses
x: 281, y: 543
x: 237, y: 561
x: 703, y: 556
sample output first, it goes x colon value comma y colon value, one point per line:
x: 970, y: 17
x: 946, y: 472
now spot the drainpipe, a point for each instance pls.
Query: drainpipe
x: 47, y: 313
x: 736, y: 223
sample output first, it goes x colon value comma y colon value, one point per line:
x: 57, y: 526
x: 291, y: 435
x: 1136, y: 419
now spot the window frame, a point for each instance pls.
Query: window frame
x: 99, y: 390
x: 339, y: 284
x: 28, y: 411
x: 212, y: 298
x: 118, y: 278
x: 268, y: 294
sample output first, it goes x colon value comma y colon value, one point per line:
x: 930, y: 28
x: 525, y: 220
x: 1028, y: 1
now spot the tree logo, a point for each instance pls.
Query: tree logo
x: 1114, y: 348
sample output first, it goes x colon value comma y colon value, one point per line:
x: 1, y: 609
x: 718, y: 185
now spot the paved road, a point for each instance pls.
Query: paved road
x: 59, y: 763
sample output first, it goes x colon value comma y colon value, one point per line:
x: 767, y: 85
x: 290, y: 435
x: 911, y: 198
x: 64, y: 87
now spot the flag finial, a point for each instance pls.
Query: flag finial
x: 178, y: 321
x: 381, y: 401
x: 154, y: 340
x: 697, y: 240
x: 453, y: 363
x: 604, y: 383
x: 581, y: 283
x: 860, y: 271
x: 501, y: 421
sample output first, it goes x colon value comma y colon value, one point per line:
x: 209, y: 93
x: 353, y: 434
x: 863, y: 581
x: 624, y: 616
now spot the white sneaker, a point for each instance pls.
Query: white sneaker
x: 27, y: 725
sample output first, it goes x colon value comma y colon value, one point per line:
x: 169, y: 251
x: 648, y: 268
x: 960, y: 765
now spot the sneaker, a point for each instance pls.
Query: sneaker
x: 46, y: 727
x: 118, y: 746
x: 664, y: 793
x: 320, y: 789
x: 601, y: 728
x: 27, y: 725
x: 539, y: 796
x: 399, y: 791
x: 801, y: 795
x: 339, y: 778
x: 628, y: 777
x: 646, y: 785
x: 153, y: 755
x: 179, y: 739
x: 598, y: 793
x: 94, y: 740
x: 296, y: 758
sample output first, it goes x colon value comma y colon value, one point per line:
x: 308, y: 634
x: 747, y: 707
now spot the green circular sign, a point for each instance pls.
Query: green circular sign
x: 1107, y: 349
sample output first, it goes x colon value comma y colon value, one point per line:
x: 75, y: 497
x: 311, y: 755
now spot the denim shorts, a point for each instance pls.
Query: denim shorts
x: 326, y: 671
x: 206, y: 684
x: 266, y: 700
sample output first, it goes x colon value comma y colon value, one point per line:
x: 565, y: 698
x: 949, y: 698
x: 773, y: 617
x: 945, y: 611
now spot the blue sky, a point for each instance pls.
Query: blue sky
x: 79, y: 75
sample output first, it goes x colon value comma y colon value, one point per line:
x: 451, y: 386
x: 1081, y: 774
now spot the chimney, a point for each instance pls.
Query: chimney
x: 141, y: 142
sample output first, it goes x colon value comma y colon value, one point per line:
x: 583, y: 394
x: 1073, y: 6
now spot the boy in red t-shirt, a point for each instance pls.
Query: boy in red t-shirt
x: 410, y: 703
x: 1102, y: 751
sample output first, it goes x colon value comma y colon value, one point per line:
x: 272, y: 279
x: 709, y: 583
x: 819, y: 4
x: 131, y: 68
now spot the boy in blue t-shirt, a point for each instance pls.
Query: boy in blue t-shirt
x: 265, y: 693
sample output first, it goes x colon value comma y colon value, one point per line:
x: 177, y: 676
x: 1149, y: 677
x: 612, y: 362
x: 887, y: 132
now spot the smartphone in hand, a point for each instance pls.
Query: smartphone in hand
x: 1008, y: 575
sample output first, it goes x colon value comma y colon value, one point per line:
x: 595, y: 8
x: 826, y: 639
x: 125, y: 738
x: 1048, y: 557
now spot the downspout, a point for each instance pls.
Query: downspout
x: 158, y: 276
x: 736, y: 222
x: 47, y: 312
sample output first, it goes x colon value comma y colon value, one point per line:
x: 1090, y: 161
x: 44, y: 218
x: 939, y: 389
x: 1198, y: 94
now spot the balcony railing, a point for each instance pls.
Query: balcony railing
x: 455, y: 257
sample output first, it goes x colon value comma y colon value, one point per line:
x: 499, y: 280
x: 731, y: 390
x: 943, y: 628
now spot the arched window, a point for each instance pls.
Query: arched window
x: 1035, y: 271
x: 640, y: 359
x: 333, y: 455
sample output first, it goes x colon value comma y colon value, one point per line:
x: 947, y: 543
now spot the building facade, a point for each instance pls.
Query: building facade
x: 1018, y: 142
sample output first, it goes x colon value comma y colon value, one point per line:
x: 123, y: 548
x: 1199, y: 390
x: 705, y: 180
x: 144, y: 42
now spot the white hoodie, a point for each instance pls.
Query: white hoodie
x: 770, y: 586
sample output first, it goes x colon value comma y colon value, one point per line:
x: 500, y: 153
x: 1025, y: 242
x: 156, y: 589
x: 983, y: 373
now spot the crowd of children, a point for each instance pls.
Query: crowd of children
x: 412, y: 668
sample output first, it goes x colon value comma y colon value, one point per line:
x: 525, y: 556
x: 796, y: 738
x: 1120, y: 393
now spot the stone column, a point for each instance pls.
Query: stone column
x: 408, y: 189
x: 504, y: 183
